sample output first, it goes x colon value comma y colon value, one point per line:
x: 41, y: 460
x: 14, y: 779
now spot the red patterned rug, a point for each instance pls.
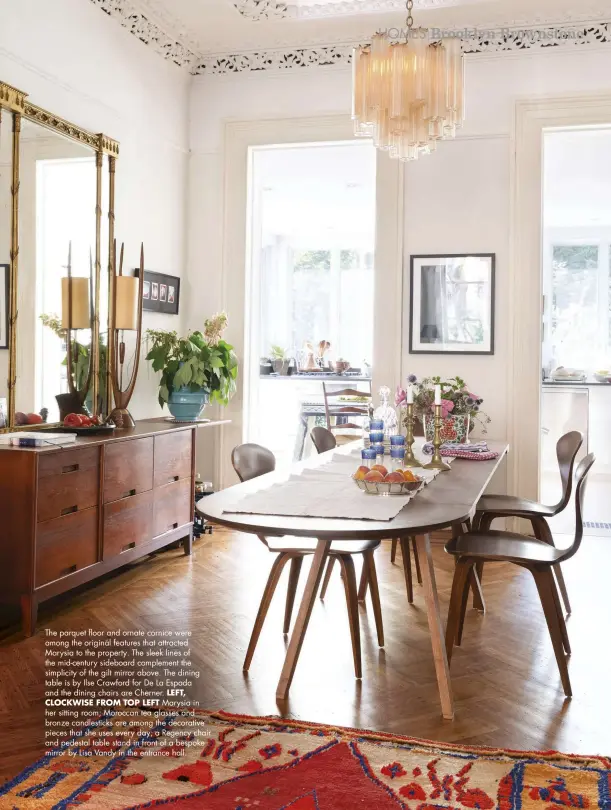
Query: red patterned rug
x: 218, y: 761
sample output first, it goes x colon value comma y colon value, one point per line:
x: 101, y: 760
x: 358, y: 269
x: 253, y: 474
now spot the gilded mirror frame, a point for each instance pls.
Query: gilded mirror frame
x: 15, y: 102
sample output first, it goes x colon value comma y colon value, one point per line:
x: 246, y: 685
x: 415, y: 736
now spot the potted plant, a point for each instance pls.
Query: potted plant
x: 67, y: 402
x: 195, y: 369
x: 280, y: 361
x: 460, y: 408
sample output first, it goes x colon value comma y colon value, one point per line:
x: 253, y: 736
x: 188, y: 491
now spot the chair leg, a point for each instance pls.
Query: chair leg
x: 268, y: 593
x: 565, y: 635
x: 544, y: 581
x: 407, y: 568
x: 463, y: 605
x: 542, y: 532
x: 476, y: 586
x: 363, y: 583
x: 347, y: 564
x: 416, y: 561
x: 328, y: 572
x: 296, y: 564
x: 460, y: 584
x: 393, y: 549
x: 369, y: 563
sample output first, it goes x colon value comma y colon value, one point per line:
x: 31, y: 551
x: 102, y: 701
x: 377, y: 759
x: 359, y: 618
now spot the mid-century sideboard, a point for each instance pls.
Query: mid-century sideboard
x: 75, y: 512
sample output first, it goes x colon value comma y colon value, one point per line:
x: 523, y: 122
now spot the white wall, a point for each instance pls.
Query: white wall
x: 75, y: 61
x: 455, y: 200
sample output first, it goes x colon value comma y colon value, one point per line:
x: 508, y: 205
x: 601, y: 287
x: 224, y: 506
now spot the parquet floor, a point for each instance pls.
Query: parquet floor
x: 505, y: 678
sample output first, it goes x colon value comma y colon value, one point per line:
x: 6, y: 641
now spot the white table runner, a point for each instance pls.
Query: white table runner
x: 326, y: 491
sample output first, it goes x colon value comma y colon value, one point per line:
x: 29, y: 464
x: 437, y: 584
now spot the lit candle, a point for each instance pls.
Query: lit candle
x: 410, y: 395
x: 437, y: 395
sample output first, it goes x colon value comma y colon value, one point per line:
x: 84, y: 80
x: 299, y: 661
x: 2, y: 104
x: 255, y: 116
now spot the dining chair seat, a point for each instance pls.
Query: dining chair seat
x: 306, y: 545
x: 508, y: 546
x: 511, y: 506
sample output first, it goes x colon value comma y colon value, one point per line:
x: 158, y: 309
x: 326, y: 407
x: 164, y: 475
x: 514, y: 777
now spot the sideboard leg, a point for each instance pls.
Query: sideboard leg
x: 29, y: 614
x: 188, y: 543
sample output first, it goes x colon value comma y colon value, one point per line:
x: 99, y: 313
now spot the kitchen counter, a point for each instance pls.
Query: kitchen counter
x: 587, y: 382
x: 317, y: 376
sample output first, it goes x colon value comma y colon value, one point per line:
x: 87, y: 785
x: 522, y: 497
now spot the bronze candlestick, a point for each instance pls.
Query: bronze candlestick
x: 437, y: 462
x: 410, y: 459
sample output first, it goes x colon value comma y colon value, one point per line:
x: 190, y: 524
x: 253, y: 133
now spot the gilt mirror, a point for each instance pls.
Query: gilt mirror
x: 57, y: 186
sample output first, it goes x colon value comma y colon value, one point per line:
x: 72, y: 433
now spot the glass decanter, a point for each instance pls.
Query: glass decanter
x: 386, y: 413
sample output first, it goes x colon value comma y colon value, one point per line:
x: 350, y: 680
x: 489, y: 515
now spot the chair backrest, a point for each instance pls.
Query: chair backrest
x: 341, y: 407
x: 581, y: 477
x: 323, y: 439
x: 252, y: 460
x: 567, y: 448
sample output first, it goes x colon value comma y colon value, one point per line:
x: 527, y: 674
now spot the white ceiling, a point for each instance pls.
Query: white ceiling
x: 234, y: 26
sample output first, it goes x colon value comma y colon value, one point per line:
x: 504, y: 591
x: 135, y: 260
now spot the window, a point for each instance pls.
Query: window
x: 579, y: 323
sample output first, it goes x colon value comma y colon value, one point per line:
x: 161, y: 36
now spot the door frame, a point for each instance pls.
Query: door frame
x: 532, y: 117
x: 239, y: 137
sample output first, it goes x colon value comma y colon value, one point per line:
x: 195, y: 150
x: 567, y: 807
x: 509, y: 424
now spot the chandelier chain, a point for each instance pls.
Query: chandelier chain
x: 410, y: 19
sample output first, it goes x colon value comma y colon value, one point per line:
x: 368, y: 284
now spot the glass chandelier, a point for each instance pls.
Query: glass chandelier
x: 407, y: 95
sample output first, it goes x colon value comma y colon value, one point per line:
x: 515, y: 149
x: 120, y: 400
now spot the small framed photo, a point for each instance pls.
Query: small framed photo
x: 164, y: 296
x: 3, y: 412
x: 451, y: 304
x: 146, y: 290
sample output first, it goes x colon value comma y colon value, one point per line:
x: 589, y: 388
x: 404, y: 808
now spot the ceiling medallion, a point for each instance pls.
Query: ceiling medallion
x: 408, y: 93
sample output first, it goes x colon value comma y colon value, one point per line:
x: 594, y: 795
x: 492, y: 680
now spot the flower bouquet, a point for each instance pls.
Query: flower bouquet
x: 460, y: 408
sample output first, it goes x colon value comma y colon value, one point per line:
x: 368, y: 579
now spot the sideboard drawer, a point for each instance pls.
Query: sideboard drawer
x: 65, y: 545
x: 128, y: 469
x: 172, y: 457
x: 127, y: 524
x: 68, y: 492
x: 172, y: 507
x: 67, y: 462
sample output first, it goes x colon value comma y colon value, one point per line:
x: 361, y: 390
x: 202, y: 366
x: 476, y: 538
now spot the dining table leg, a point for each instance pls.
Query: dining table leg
x: 431, y: 598
x: 303, y: 617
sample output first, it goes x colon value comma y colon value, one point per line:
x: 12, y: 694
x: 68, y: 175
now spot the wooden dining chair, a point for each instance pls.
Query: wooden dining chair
x: 323, y: 440
x: 491, y: 507
x: 537, y: 556
x: 338, y: 406
x: 252, y: 460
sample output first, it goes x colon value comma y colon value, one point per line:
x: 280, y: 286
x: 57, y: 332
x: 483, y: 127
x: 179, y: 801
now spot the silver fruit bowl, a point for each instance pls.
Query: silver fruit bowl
x: 385, y: 488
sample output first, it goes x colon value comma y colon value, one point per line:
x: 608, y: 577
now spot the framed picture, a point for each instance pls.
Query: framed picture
x: 146, y: 290
x: 4, y: 304
x: 164, y: 292
x: 451, y: 304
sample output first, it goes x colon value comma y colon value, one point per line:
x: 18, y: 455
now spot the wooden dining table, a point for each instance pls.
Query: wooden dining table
x: 448, y: 502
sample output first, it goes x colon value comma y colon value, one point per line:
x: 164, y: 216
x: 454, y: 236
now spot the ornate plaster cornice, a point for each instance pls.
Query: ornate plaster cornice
x: 151, y: 33
x: 274, y: 9
x: 159, y: 31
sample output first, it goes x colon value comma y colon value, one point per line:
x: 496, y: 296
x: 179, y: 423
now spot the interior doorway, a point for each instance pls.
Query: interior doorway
x: 576, y: 336
x: 310, y: 281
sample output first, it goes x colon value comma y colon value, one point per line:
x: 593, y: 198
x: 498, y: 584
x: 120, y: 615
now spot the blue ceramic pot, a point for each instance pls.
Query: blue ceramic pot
x: 186, y: 405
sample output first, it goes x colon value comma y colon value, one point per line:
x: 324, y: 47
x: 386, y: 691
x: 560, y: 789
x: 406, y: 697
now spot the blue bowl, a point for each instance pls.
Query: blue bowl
x: 376, y: 436
x: 376, y: 424
x: 186, y: 405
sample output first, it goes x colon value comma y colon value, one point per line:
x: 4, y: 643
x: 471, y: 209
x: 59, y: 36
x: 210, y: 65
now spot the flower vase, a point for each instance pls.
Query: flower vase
x: 454, y: 427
